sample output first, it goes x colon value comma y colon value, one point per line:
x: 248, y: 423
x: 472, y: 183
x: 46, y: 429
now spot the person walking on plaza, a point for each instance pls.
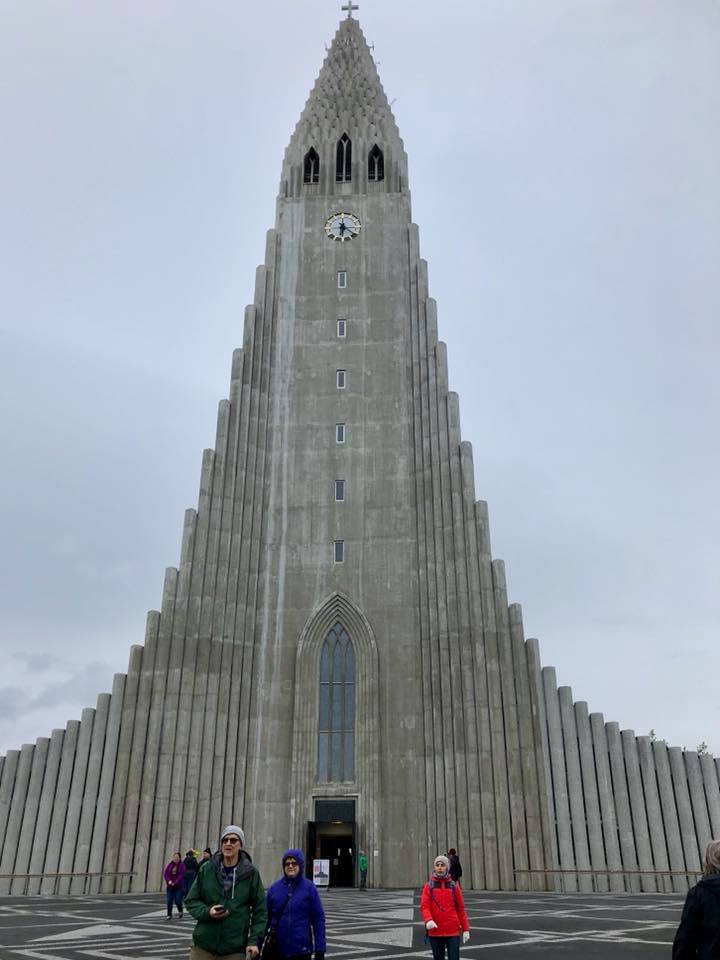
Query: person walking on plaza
x: 191, y: 868
x: 455, y: 865
x: 228, y: 901
x: 296, y: 919
x: 698, y: 935
x: 362, y: 867
x: 174, y: 875
x: 443, y: 912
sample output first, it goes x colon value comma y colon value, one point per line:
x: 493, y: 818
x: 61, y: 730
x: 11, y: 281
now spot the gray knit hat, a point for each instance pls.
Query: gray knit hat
x: 233, y: 829
x: 441, y: 858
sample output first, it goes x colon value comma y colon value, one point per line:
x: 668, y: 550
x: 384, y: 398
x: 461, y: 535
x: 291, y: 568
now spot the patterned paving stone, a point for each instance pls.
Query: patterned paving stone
x: 362, y: 925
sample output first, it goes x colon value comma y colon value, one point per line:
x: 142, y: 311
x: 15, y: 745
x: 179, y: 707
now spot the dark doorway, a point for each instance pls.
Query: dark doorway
x: 339, y: 851
x: 333, y: 841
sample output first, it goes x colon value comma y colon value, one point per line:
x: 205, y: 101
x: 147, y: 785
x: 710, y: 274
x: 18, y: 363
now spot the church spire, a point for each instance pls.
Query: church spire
x: 347, y: 99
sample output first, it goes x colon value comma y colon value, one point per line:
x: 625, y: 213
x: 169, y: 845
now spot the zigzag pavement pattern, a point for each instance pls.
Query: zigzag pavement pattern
x: 362, y: 925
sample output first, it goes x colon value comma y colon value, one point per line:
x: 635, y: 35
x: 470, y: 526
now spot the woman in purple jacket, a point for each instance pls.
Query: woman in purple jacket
x: 173, y: 875
x: 295, y: 911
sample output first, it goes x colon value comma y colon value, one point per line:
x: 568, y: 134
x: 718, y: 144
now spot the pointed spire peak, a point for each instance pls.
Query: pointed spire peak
x: 347, y: 96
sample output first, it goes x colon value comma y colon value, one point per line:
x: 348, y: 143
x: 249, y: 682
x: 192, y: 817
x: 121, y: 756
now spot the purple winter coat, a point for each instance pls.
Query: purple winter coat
x: 174, y: 873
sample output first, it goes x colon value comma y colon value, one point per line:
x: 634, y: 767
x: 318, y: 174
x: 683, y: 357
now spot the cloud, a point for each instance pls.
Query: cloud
x: 38, y: 661
x: 76, y: 691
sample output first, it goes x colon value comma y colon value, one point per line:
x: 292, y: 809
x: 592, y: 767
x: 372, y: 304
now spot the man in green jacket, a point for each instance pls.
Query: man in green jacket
x: 227, y: 899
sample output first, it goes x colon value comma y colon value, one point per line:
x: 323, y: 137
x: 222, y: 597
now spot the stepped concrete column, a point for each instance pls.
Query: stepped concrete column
x: 621, y: 798
x: 30, y: 813
x: 700, y: 813
x: 107, y: 775
x: 712, y: 792
x: 590, y: 791
x: 19, y: 799
x: 7, y: 785
x: 669, y: 814
x: 60, y: 805
x: 89, y: 797
x: 639, y: 813
x: 658, y: 840
x: 684, y: 808
x: 74, y: 807
x: 44, y: 814
x: 608, y: 816
x: 566, y: 850
x: 575, y: 790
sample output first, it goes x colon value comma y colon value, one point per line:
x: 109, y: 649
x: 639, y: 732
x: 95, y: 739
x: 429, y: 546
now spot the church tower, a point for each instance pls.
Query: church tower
x: 335, y: 664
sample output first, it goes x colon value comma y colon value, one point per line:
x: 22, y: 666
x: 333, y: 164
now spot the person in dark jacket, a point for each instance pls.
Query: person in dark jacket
x: 174, y: 874
x: 455, y: 865
x: 698, y: 935
x: 443, y: 912
x: 228, y: 901
x: 191, y: 869
x: 295, y: 911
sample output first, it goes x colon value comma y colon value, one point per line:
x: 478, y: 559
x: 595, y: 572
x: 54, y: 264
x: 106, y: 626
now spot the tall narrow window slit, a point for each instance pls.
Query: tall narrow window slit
x: 311, y: 167
x: 336, y: 728
x: 343, y: 165
x: 376, y: 164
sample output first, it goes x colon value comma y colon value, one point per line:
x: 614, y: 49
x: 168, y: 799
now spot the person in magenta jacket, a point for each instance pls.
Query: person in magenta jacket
x: 443, y: 911
x: 173, y: 875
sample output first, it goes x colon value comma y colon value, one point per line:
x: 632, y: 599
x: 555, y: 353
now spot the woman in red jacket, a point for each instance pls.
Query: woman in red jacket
x: 443, y: 910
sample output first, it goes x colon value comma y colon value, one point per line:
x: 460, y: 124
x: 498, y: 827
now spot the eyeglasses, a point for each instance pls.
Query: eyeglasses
x: 291, y: 863
x: 230, y: 840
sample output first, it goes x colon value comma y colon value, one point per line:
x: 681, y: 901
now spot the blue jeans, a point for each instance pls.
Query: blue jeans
x: 438, y: 945
x: 174, y: 895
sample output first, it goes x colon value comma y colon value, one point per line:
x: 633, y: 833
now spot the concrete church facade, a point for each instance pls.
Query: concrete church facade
x: 335, y: 583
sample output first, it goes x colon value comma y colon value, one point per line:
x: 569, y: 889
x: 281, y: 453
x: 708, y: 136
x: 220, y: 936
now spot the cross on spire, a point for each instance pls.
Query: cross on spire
x: 350, y: 6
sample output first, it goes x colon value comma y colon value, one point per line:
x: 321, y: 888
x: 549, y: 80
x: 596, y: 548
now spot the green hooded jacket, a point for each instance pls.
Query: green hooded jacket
x: 245, y: 902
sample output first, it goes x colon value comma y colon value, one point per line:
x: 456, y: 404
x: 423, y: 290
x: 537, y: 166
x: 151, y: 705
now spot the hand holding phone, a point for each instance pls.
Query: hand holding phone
x: 218, y: 911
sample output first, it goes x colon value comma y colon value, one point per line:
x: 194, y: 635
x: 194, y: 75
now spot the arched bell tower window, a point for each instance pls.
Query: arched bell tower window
x: 336, y: 730
x: 376, y: 164
x: 344, y: 159
x: 311, y: 167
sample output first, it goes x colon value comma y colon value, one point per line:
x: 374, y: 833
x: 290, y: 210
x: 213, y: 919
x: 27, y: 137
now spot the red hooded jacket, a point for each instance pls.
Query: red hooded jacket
x: 442, y: 901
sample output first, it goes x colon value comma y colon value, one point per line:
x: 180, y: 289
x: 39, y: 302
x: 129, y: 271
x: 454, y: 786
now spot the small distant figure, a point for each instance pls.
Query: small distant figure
x: 698, y: 935
x: 362, y: 866
x: 191, y: 869
x: 206, y: 854
x: 455, y: 865
x: 443, y: 912
x: 228, y: 901
x: 174, y: 875
x: 296, y: 919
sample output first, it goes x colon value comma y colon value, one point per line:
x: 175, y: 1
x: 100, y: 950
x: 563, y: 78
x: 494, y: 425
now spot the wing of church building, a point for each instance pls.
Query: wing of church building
x: 335, y: 665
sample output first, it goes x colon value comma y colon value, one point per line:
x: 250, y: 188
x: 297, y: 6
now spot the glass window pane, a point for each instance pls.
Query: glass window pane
x: 337, y: 707
x: 339, y: 551
x: 350, y: 665
x: 340, y: 433
x: 325, y: 663
x: 323, y: 757
x: 335, y: 770
x: 324, y: 706
x: 340, y: 376
x: 349, y: 757
x: 349, y: 706
x: 338, y: 667
x: 340, y: 490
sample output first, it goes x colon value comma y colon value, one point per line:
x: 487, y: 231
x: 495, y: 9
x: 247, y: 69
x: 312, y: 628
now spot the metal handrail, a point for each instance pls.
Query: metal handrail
x: 87, y: 878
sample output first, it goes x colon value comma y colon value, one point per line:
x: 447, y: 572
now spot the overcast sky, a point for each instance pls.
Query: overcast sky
x: 564, y: 159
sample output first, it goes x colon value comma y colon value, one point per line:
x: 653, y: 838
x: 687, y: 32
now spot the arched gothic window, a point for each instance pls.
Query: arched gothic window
x: 336, y: 736
x: 311, y: 167
x: 343, y: 166
x: 376, y: 164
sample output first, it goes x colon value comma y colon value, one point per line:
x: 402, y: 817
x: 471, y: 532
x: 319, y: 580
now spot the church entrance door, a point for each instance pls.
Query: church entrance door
x: 335, y: 842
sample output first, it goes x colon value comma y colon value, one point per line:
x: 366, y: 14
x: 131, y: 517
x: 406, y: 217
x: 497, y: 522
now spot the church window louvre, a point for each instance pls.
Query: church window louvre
x: 340, y: 379
x: 336, y: 729
x: 343, y: 166
x: 376, y: 164
x: 341, y: 328
x: 311, y: 167
x: 342, y: 279
x: 339, y: 433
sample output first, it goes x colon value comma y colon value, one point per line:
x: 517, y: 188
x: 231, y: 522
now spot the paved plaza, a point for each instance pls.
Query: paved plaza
x: 362, y: 925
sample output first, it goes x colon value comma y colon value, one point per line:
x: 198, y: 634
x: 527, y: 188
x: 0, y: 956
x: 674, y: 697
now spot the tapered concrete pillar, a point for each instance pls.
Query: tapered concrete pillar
x: 590, y: 793
x: 7, y: 785
x: 671, y: 824
x: 712, y: 792
x: 547, y: 801
x: 44, y: 814
x: 681, y: 790
x: 559, y: 780
x: 60, y: 805
x: 621, y: 800
x: 19, y: 799
x: 89, y: 796
x: 700, y: 809
x: 608, y: 817
x: 74, y: 807
x: 639, y: 813
x: 29, y: 815
x: 107, y: 775
x: 658, y: 840
x: 575, y: 790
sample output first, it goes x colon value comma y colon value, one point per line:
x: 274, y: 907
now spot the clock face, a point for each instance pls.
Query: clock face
x: 343, y: 226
